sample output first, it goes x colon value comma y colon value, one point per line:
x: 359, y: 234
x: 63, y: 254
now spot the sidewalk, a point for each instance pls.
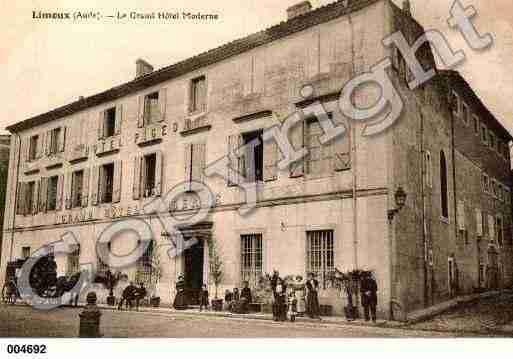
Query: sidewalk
x: 263, y: 316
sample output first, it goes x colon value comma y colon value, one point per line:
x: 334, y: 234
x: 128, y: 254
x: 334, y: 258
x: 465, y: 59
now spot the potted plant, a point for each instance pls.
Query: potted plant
x: 156, y: 275
x: 350, y: 283
x: 216, y: 273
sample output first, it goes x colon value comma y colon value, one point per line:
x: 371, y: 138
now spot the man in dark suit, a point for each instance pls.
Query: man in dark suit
x: 369, y: 290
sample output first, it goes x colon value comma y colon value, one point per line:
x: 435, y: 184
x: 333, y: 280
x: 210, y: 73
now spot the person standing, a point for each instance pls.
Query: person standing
x: 246, y: 297
x: 274, y: 283
x: 312, y: 298
x: 180, y: 302
x: 299, y: 292
x: 203, y: 298
x: 369, y: 290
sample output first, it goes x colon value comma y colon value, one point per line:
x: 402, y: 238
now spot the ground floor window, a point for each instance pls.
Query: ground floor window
x: 144, y: 266
x: 74, y: 260
x: 251, y: 257
x: 320, y: 254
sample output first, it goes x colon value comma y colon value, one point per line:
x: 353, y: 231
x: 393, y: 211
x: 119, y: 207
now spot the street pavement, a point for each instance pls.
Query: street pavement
x: 24, y: 321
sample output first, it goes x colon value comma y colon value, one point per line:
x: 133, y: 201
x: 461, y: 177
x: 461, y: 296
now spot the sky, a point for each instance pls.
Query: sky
x: 47, y: 64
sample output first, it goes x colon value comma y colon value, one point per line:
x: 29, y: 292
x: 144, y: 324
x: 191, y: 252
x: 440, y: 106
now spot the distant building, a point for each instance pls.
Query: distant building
x: 5, y: 144
x: 101, y: 159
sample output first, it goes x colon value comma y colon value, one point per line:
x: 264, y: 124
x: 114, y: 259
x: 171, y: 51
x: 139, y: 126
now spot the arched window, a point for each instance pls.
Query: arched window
x: 443, y: 185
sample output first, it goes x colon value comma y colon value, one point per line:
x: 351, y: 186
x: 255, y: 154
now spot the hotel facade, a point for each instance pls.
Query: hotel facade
x: 99, y: 160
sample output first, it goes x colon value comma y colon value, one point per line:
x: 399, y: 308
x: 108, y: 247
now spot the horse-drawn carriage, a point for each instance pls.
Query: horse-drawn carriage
x: 10, y: 292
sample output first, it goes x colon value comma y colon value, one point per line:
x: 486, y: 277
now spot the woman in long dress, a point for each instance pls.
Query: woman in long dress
x: 299, y: 292
x: 312, y: 299
x: 180, y: 302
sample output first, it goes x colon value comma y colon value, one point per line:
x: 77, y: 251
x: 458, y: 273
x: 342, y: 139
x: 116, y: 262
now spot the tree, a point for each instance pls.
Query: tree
x: 216, y: 264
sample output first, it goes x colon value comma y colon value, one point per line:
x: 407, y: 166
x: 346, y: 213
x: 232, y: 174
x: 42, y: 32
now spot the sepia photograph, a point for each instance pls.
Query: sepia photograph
x: 265, y: 169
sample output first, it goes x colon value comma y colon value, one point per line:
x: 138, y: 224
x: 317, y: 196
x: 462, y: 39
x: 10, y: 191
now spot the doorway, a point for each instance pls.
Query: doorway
x: 193, y: 272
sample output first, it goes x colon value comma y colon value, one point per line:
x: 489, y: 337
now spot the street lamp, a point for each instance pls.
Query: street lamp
x: 400, y: 200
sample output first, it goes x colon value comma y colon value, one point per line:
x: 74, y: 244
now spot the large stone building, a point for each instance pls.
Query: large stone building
x: 100, y: 159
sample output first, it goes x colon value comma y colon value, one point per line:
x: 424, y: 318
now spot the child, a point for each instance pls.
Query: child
x: 292, y: 306
x: 203, y: 297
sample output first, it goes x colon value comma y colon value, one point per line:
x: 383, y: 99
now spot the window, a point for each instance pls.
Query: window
x: 443, y: 186
x: 251, y: 257
x: 484, y: 134
x: 499, y: 230
x: 429, y: 178
x: 486, y: 183
x: 77, y: 184
x: 198, y: 95
x: 144, y: 265
x: 195, y: 156
x: 151, y: 108
x: 253, y: 164
x: 101, y: 266
x: 54, y: 140
x: 52, y: 193
x: 150, y: 165
x: 106, y: 182
x: 476, y: 124
x: 74, y: 260
x: 491, y: 140
x: 109, y: 122
x: 25, y: 252
x: 465, y: 113
x: 320, y: 254
x: 319, y: 158
x: 482, y: 275
x: 493, y: 185
x: 33, y: 147
x: 30, y: 196
x: 455, y: 104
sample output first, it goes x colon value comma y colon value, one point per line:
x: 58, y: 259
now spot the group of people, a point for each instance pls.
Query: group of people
x: 131, y: 294
x: 238, y: 302
x: 295, y: 298
x: 290, y: 299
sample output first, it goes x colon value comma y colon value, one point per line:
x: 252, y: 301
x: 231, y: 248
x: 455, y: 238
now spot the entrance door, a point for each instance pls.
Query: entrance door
x: 193, y: 271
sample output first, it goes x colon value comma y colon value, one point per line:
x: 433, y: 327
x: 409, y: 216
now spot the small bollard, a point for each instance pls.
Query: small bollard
x: 90, y: 318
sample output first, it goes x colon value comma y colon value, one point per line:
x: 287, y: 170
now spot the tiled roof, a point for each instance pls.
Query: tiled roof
x: 317, y: 16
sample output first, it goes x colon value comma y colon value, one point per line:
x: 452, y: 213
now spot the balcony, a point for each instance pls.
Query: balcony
x: 31, y: 167
x: 79, y: 153
x: 53, y: 160
x: 150, y: 134
x: 107, y: 146
x: 194, y: 125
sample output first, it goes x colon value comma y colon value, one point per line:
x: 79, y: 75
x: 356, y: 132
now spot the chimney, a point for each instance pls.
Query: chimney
x: 298, y: 9
x: 407, y: 7
x: 142, y: 68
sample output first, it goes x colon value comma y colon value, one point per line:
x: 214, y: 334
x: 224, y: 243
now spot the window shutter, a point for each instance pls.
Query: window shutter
x: 35, y: 198
x: 43, y: 194
x: 342, y: 158
x: 270, y: 161
x: 60, y: 187
x: 188, y: 164
x: 25, y: 148
x: 119, y: 119
x: 202, y: 95
x: 118, y: 173
x: 140, y: 111
x: 62, y: 139
x: 242, y: 163
x: 26, y: 196
x: 158, y: 173
x: 479, y: 222
x: 48, y: 142
x: 99, y: 127
x: 95, y: 186
x: 491, y: 228
x: 19, y: 199
x: 461, y: 215
x: 68, y: 190
x: 85, y: 187
x: 41, y: 146
x: 297, y: 140
x: 136, y: 189
x: 233, y: 143
x: 162, y: 103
